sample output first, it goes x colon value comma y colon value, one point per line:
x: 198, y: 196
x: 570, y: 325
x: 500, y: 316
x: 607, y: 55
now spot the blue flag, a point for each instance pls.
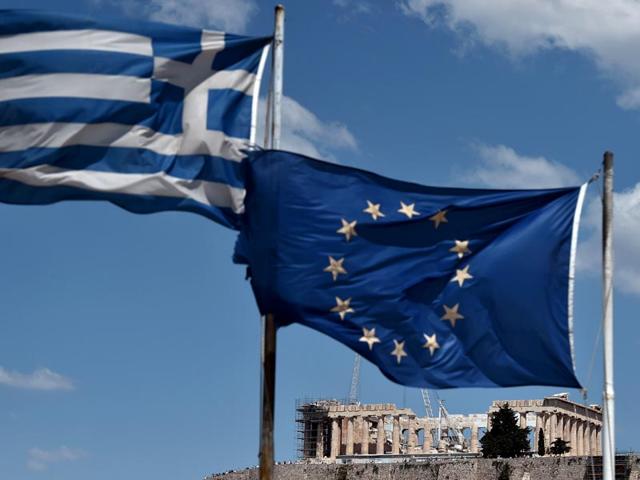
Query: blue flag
x: 438, y: 287
x: 148, y: 116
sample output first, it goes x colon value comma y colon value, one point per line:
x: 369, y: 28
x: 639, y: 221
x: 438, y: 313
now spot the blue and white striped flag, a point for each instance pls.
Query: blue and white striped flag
x: 148, y: 116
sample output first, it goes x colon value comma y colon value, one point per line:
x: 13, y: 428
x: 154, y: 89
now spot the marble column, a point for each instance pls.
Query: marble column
x: 349, y: 446
x: 412, y: 438
x: 566, y: 433
x: 552, y: 429
x: 356, y: 434
x: 381, y: 436
x: 536, y: 434
x: 598, y: 441
x: 547, y: 430
x: 580, y: 437
x: 474, y: 438
x: 320, y: 440
x: 426, y: 445
x: 395, y: 439
x: 574, y: 437
x: 364, y: 437
x: 594, y: 443
x: 335, y: 438
x: 559, y: 426
x: 587, y: 438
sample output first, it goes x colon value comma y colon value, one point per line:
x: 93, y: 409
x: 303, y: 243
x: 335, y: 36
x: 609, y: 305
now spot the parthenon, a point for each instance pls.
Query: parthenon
x: 559, y: 417
x: 329, y: 429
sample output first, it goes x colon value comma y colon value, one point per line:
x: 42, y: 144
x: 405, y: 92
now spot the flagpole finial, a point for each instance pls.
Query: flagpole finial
x: 608, y: 159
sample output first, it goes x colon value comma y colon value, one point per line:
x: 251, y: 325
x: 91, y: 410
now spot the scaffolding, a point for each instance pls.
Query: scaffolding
x: 312, y: 430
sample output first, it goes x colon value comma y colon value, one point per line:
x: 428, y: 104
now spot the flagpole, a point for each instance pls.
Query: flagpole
x: 268, y: 387
x: 268, y: 357
x: 608, y: 437
x: 277, y: 72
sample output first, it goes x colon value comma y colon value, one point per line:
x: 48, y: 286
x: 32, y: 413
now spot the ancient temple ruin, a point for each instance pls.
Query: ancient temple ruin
x: 559, y: 417
x: 329, y: 429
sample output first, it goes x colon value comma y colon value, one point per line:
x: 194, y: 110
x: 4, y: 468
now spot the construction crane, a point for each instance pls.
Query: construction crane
x: 355, y: 381
x: 427, y: 402
x: 454, y: 436
x: 429, y: 411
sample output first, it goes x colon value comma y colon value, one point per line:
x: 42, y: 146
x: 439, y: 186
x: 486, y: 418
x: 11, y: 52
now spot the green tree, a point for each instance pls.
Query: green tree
x: 559, y: 446
x: 505, y: 439
x: 541, y: 447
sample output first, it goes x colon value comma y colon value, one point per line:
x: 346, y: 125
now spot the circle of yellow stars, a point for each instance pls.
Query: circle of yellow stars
x: 343, y: 306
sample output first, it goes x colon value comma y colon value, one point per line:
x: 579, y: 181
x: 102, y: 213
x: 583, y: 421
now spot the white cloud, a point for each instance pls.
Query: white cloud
x: 303, y: 132
x: 227, y: 15
x: 502, y: 167
x: 40, y: 379
x: 39, y: 460
x: 354, y: 6
x: 626, y: 231
x: 630, y: 99
x: 606, y: 30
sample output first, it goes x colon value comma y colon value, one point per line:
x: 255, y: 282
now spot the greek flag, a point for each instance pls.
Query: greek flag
x: 150, y: 117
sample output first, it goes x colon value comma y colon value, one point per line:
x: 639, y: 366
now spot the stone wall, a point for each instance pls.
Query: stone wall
x: 546, y: 468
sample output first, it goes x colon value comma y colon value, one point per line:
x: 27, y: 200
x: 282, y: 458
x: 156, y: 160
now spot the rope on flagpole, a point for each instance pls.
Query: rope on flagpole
x: 585, y: 390
x: 595, y: 176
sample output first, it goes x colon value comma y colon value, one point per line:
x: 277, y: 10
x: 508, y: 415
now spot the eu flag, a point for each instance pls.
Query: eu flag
x: 438, y: 287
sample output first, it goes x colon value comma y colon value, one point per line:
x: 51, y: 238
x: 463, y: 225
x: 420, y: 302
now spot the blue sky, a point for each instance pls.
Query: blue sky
x: 129, y: 345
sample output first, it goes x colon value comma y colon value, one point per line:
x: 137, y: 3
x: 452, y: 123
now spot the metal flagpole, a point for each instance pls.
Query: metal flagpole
x: 268, y: 387
x: 608, y: 437
x: 277, y: 72
x: 268, y: 360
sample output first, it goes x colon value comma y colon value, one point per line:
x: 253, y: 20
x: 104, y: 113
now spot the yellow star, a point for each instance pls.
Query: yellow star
x: 439, y: 218
x: 342, y: 307
x: 374, y: 210
x: 431, y: 343
x: 462, y: 275
x: 461, y: 248
x: 335, y: 268
x: 451, y: 314
x: 408, y: 210
x: 348, y: 229
x: 369, y: 336
x: 398, y: 351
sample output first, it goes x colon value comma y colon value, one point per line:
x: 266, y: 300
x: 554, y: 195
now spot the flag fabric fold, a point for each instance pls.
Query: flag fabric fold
x: 438, y: 287
x: 148, y: 116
